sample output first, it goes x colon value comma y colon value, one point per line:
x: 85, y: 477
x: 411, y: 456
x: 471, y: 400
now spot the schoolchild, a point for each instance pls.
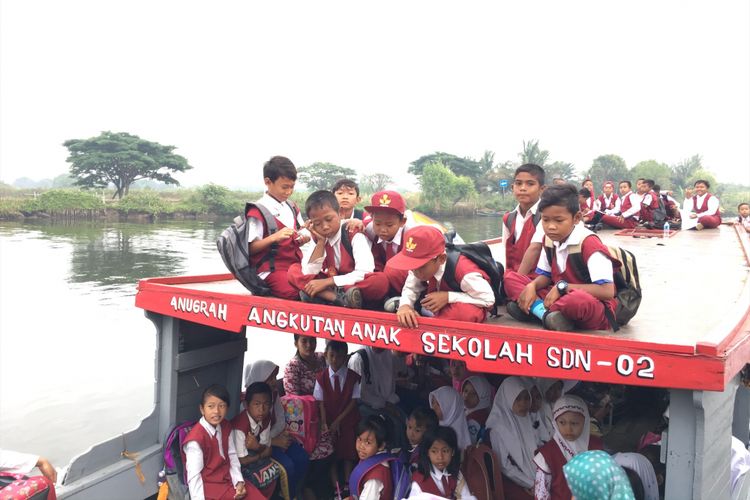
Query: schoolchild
x: 424, y: 257
x: 347, y: 194
x: 386, y: 229
x: 477, y: 395
x: 630, y: 208
x: 328, y: 273
x: 438, y: 472
x: 420, y: 421
x: 251, y: 433
x: 705, y: 206
x: 523, y: 241
x: 551, y: 390
x: 572, y: 436
x: 589, y: 184
x: 279, y: 176
x: 337, y: 391
x: 372, y: 482
x: 568, y: 299
x: 584, y: 203
x: 609, y: 483
x: 649, y: 201
x: 743, y: 216
x: 608, y: 202
x: 671, y: 208
x: 512, y: 437
x: 211, y: 464
x: 687, y: 203
x: 448, y: 405
x: 16, y: 466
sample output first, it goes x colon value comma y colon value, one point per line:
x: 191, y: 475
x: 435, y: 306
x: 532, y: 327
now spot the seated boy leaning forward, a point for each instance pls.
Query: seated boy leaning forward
x: 424, y: 257
x: 279, y: 175
x: 337, y: 270
x: 571, y: 302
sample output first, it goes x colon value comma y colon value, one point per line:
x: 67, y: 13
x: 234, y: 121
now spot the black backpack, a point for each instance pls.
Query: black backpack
x: 479, y: 253
x: 234, y: 249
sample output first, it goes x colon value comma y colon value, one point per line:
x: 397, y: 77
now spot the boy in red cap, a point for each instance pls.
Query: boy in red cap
x: 386, y: 231
x: 339, y: 269
x: 423, y: 255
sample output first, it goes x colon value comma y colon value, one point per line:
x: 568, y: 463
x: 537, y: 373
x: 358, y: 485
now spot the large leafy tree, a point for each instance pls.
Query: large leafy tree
x: 120, y: 158
x: 443, y: 187
x: 607, y: 168
x: 652, y: 169
x: 372, y: 183
x: 321, y: 175
x: 561, y: 169
x: 467, y: 167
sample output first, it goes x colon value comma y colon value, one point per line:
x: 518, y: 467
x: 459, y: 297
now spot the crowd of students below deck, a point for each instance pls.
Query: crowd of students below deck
x: 394, y: 426
x: 381, y: 259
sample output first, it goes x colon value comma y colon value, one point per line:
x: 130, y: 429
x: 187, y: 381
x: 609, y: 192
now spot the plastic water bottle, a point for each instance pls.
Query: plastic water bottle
x: 666, y: 230
x: 538, y: 309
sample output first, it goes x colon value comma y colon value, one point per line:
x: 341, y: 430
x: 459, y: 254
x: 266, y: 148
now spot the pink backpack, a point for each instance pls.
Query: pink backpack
x: 302, y: 419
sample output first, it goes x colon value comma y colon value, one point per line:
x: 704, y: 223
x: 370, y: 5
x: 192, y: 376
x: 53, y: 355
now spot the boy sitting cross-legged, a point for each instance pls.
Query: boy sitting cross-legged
x: 568, y: 300
x: 337, y: 270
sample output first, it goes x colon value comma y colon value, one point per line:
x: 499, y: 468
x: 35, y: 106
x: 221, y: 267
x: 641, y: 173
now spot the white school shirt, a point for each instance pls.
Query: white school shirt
x: 410, y: 223
x: 318, y: 391
x: 521, y: 221
x: 364, y: 262
x: 280, y: 210
x: 194, y: 461
x: 635, y: 202
x: 437, y: 476
x: 382, y: 388
x: 711, y: 208
x: 372, y: 488
x: 16, y: 462
x: 475, y: 289
x: 745, y: 221
x: 600, y: 267
x: 608, y: 211
x: 239, y: 436
x: 687, y: 204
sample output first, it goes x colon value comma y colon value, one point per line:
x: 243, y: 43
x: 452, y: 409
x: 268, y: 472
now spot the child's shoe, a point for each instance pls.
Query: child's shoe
x: 351, y: 298
x: 555, y: 320
x: 517, y: 313
x: 391, y: 305
x: 699, y: 226
x: 313, y: 300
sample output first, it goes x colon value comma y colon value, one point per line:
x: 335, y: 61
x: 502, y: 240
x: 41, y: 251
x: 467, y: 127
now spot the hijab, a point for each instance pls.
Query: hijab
x: 641, y: 466
x: 594, y: 475
x: 484, y: 391
x: 452, y: 406
x: 512, y: 435
x: 259, y: 371
x: 546, y: 426
x: 577, y: 405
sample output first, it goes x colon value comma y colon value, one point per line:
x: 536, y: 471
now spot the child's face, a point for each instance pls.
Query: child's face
x: 589, y: 185
x: 429, y: 268
x: 347, y: 197
x: 581, y: 200
x: 522, y: 404
x: 558, y: 222
x: 536, y: 399
x: 744, y: 210
x: 213, y: 410
x: 306, y: 346
x: 554, y: 392
x: 700, y: 189
x: 259, y: 407
x: 607, y: 189
x: 414, y: 431
x: 436, y: 408
x: 367, y: 445
x: 624, y: 188
x: 471, y: 398
x: 440, y: 454
x: 335, y: 359
x: 325, y: 221
x: 526, y: 188
x: 643, y: 188
x: 281, y: 189
x: 457, y: 369
x: 638, y: 185
x: 570, y: 424
x: 386, y: 224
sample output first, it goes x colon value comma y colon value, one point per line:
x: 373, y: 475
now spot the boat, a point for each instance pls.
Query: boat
x: 692, y: 338
x: 489, y: 213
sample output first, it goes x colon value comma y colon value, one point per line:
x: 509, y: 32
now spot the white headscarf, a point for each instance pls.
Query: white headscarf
x: 259, y: 371
x: 740, y: 461
x: 512, y: 435
x: 546, y: 426
x: 452, y: 407
x: 483, y: 389
x: 641, y: 466
x: 577, y: 405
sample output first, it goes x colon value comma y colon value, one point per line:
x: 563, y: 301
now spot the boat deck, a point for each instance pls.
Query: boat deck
x: 692, y: 330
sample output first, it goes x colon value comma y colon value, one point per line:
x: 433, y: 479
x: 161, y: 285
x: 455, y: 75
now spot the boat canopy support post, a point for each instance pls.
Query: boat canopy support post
x: 700, y: 424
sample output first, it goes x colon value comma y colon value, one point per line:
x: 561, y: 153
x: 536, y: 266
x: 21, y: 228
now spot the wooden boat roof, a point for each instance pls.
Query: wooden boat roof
x: 692, y: 330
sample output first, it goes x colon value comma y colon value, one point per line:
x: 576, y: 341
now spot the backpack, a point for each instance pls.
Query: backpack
x: 400, y: 475
x: 660, y: 213
x: 626, y: 280
x: 174, y: 468
x: 233, y: 247
x: 479, y: 253
x: 302, y: 419
x: 481, y: 470
x: 510, y: 221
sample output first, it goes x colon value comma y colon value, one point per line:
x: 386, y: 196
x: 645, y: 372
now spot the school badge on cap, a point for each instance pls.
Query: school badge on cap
x: 422, y: 243
x: 387, y: 200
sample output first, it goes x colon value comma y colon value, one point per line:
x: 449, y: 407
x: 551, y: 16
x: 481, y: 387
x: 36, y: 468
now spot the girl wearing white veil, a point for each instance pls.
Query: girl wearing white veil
x: 552, y: 389
x: 448, y: 405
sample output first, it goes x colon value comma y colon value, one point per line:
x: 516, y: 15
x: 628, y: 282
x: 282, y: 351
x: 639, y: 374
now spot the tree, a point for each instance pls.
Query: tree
x: 322, y: 175
x: 460, y: 166
x: 444, y: 187
x: 120, y: 158
x: 652, y: 169
x: 532, y: 154
x: 561, y: 169
x: 607, y: 168
x: 705, y: 175
x: 684, y: 170
x: 372, y: 183
x: 63, y: 181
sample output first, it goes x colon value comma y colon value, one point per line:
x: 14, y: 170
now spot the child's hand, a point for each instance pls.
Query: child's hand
x: 335, y: 427
x: 314, y: 287
x: 239, y: 490
x: 435, y: 301
x: 693, y: 215
x: 315, y: 235
x: 302, y: 239
x: 527, y: 297
x: 551, y: 297
x: 323, y: 427
x: 355, y: 226
x: 251, y: 442
x: 283, y: 234
x: 407, y: 316
x: 283, y: 440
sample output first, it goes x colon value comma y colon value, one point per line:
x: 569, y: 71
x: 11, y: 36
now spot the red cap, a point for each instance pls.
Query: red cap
x: 421, y: 244
x: 387, y: 199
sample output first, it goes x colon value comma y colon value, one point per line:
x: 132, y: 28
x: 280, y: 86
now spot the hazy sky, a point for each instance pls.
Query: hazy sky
x: 373, y: 86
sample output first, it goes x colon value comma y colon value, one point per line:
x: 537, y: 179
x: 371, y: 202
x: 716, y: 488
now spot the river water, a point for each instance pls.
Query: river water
x: 76, y: 355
